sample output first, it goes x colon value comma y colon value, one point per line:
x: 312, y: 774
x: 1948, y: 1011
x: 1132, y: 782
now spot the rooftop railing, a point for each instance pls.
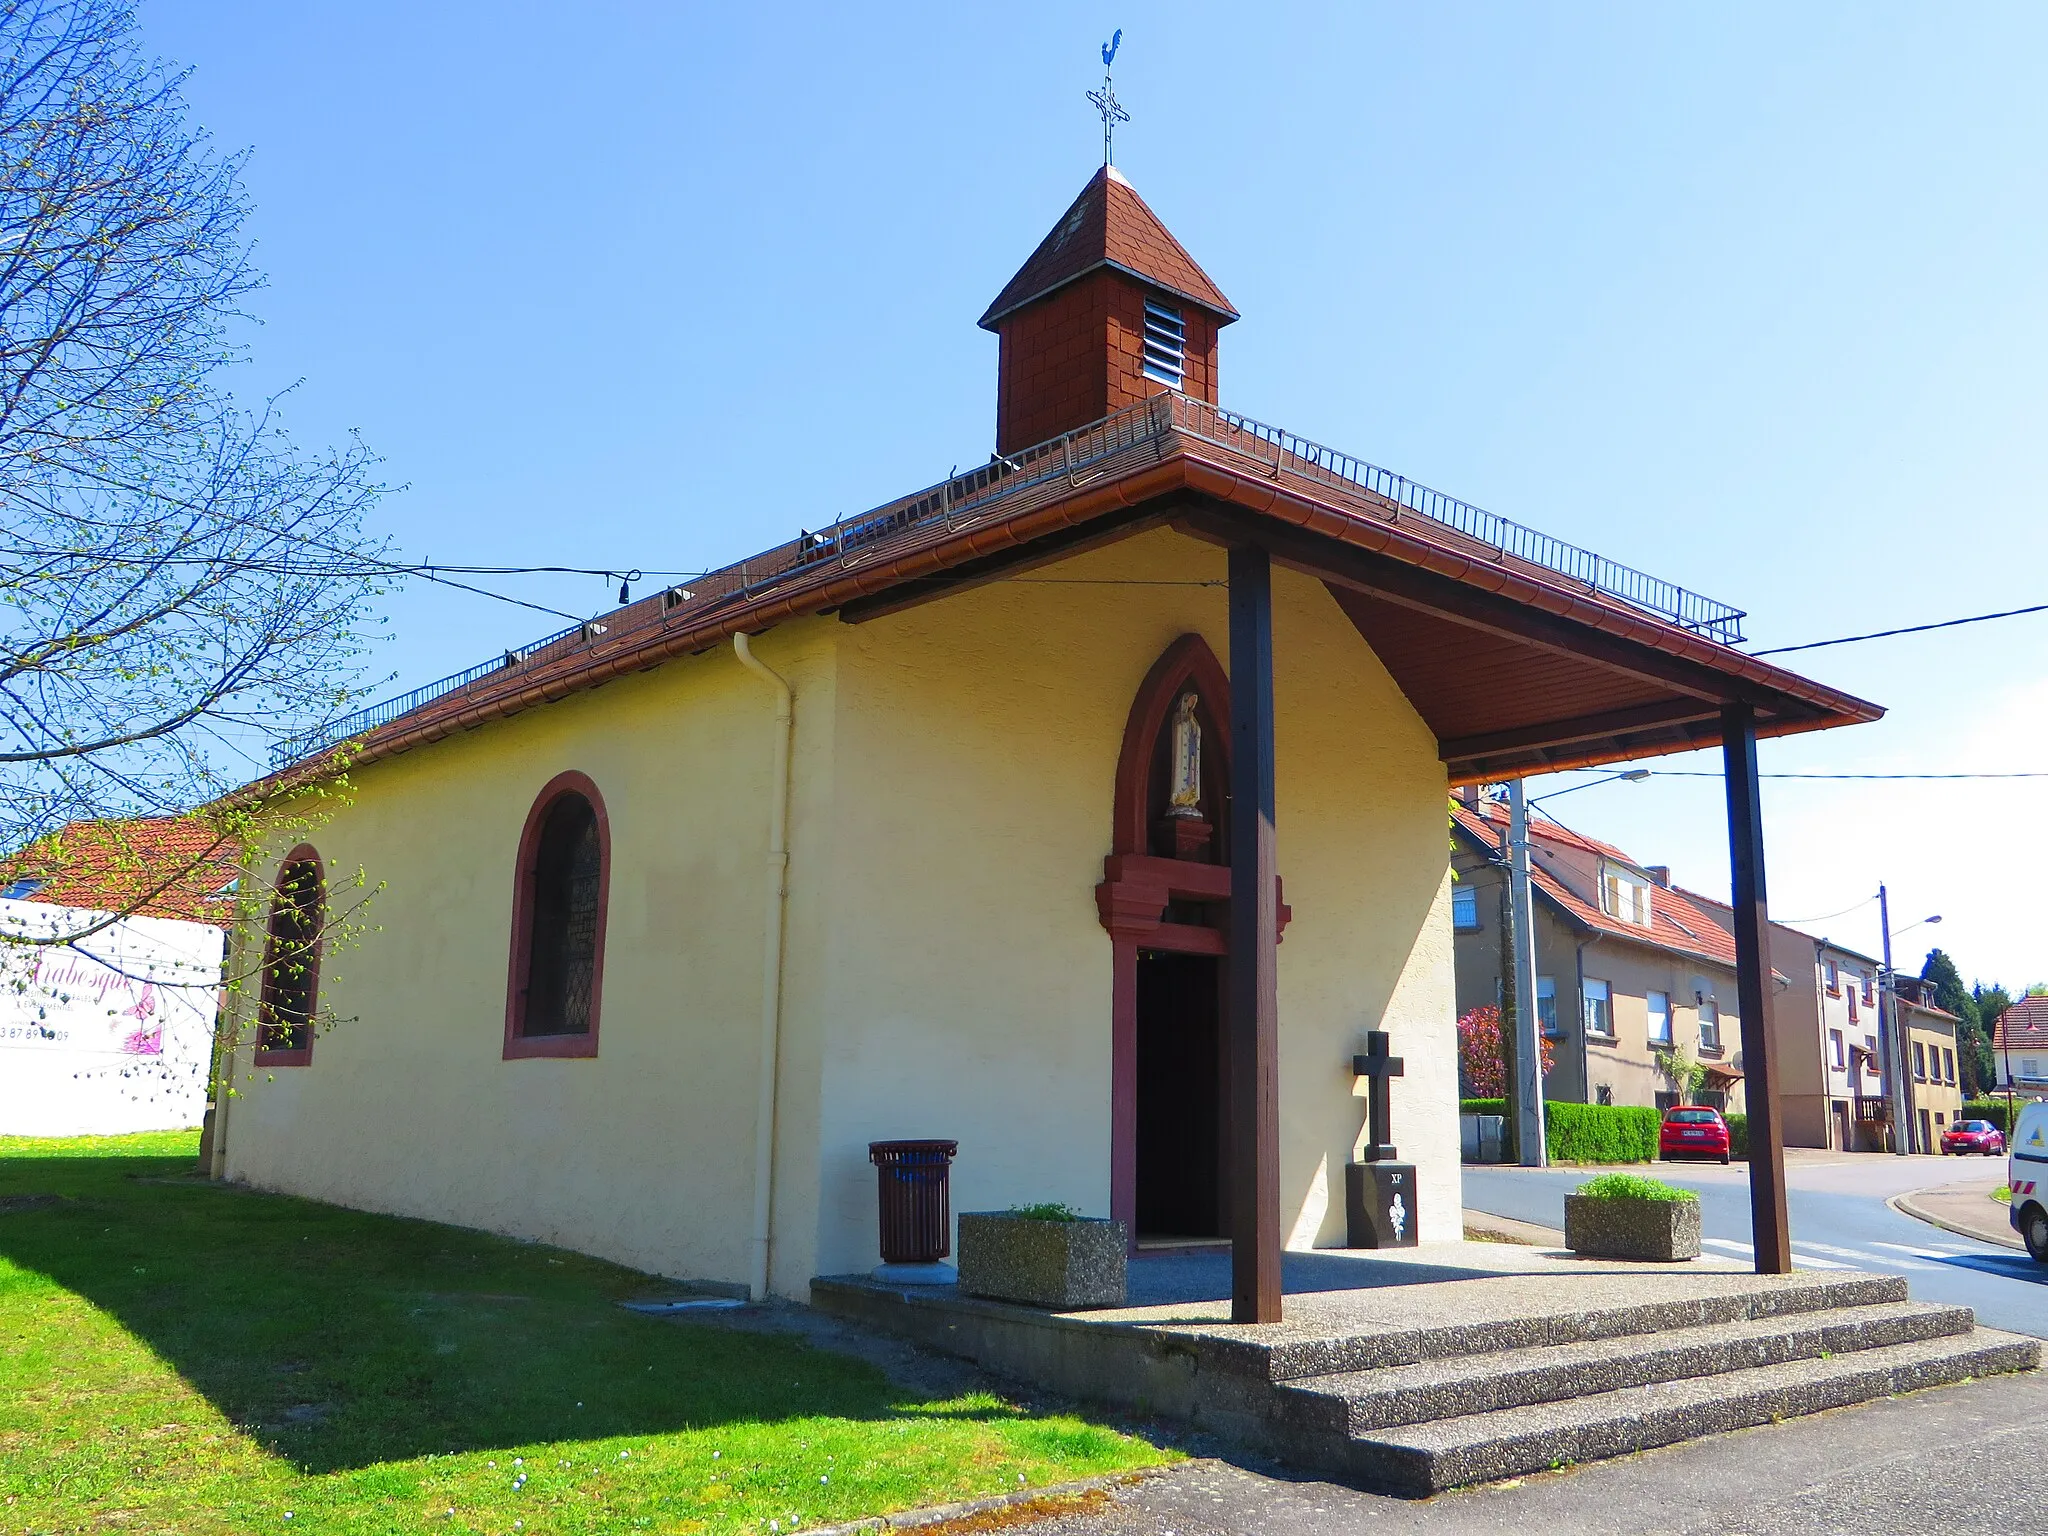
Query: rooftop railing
x: 1076, y: 457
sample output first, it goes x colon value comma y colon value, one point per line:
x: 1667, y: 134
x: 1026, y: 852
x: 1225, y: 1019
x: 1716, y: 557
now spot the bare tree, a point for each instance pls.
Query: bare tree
x: 181, y: 587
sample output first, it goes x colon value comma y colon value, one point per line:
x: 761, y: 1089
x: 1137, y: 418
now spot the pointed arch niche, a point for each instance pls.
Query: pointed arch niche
x: 1164, y: 899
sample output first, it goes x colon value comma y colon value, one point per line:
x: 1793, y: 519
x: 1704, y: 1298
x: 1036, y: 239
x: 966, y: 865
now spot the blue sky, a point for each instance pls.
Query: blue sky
x: 1747, y: 296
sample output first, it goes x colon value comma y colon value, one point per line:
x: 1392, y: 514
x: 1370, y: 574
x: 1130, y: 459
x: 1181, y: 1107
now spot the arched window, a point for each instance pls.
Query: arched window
x: 291, y: 963
x: 558, y: 914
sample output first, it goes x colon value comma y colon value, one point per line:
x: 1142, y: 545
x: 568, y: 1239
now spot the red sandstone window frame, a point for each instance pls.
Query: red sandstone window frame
x: 520, y: 1046
x: 300, y: 1055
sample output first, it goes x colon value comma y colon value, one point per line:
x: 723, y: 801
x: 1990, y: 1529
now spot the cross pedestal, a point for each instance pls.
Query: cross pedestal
x: 1380, y: 1208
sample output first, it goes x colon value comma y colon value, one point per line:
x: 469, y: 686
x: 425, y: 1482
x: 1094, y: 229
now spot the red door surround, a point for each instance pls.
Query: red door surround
x: 1139, y: 886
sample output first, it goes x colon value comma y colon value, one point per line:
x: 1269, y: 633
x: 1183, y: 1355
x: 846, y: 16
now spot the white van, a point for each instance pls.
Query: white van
x: 2026, y: 1170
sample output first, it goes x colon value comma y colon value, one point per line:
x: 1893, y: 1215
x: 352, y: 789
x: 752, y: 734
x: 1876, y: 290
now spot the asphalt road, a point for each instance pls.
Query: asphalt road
x: 1839, y: 1221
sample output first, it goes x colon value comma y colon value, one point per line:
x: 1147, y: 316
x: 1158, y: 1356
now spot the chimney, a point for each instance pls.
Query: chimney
x: 1659, y: 874
x: 1109, y: 309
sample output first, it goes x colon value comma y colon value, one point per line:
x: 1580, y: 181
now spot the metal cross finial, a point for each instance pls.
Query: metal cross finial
x: 1105, y: 99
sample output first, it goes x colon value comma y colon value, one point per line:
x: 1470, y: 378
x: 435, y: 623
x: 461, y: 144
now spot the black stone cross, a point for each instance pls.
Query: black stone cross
x: 1379, y: 1117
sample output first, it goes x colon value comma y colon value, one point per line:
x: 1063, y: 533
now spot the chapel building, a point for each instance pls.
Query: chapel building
x: 1087, y: 808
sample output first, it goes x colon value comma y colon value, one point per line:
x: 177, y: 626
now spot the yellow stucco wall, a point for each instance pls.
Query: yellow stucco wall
x: 946, y: 972
x: 976, y: 765
x: 643, y: 1154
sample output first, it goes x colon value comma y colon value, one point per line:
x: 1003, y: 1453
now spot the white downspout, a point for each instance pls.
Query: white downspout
x: 771, y: 966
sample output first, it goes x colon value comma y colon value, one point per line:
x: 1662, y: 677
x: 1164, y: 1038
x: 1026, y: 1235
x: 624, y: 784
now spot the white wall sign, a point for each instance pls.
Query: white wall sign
x: 111, y: 1033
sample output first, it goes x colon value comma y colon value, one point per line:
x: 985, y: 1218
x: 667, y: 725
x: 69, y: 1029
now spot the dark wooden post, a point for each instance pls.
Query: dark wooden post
x: 1254, y: 993
x: 1769, y: 1220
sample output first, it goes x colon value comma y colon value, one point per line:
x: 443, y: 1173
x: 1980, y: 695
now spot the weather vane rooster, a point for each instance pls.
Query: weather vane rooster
x: 1105, y: 99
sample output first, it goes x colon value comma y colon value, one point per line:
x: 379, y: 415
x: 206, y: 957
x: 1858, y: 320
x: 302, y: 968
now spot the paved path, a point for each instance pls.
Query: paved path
x: 1955, y: 1460
x: 1840, y: 1220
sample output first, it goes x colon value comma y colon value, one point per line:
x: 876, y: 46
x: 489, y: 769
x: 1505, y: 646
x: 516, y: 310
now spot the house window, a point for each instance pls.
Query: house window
x: 1624, y: 894
x: 1853, y: 1016
x: 1660, y: 1018
x: 22, y: 889
x: 1710, y: 1025
x: 1869, y: 990
x: 1464, y: 908
x: 1598, y: 1002
x: 290, y: 995
x: 1835, y: 1058
x: 1603, y: 1093
x: 1546, y: 1003
x: 1948, y: 1065
x: 1165, y: 343
x: 1834, y: 979
x: 1919, y: 1062
x: 558, y: 923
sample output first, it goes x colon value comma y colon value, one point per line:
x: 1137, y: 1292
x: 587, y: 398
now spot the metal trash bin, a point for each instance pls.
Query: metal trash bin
x: 912, y: 1180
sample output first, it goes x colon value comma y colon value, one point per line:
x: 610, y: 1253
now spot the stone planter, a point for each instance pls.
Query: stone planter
x: 1649, y: 1230
x: 1064, y: 1265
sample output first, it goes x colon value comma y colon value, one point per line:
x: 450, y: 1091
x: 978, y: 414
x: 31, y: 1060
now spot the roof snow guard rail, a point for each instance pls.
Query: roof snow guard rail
x: 965, y: 498
x: 1666, y: 600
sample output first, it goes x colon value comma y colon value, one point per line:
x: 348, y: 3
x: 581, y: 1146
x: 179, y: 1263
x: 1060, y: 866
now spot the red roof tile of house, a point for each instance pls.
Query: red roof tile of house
x: 1108, y: 225
x: 164, y: 866
x: 1676, y: 924
x: 2023, y: 1026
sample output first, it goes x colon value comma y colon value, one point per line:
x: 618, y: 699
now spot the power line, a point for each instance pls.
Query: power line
x: 1689, y: 773
x: 1911, y: 629
x: 1826, y: 917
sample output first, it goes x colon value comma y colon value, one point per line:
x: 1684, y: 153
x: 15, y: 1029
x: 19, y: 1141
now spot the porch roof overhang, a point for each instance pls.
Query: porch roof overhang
x: 1517, y: 666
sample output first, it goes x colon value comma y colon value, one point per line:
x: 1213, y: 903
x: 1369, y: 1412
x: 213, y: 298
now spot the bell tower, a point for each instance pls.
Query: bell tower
x: 1109, y: 309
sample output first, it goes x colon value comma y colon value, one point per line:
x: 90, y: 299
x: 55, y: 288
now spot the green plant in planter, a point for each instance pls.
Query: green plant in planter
x: 1048, y: 1210
x: 1632, y: 1186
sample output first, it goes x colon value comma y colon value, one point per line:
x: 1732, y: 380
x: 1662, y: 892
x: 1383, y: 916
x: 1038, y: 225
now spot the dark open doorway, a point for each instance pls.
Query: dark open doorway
x: 1180, y: 1096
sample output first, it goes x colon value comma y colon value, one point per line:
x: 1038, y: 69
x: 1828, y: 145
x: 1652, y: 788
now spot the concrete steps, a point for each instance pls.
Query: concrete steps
x: 1420, y: 1459
x: 1445, y: 1373
x: 1625, y: 1379
x: 1358, y: 1402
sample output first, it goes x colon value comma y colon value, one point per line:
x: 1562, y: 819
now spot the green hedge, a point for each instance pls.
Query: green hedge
x: 1482, y: 1106
x: 1738, y: 1136
x: 1990, y: 1109
x: 1601, y: 1133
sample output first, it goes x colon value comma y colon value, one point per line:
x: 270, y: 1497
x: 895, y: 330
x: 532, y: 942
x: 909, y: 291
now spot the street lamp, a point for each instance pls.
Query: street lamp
x: 1900, y: 1096
x: 1627, y: 775
x: 1528, y: 1084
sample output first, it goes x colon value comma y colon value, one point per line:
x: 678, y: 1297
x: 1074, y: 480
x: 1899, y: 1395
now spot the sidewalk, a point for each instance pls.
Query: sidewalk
x: 1965, y: 1208
x: 1955, y: 1458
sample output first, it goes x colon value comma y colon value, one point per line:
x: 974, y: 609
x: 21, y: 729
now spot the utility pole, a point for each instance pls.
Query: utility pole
x: 1888, y: 1045
x: 1528, y: 1028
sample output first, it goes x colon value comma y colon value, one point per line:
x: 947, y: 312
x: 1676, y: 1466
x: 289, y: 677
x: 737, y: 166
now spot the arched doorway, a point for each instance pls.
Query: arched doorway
x: 1164, y: 900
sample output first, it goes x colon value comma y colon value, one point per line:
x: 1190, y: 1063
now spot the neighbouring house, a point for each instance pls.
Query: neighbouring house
x: 941, y: 820
x: 1828, y: 1044
x: 1627, y: 966
x: 1934, y: 1095
x: 112, y: 978
x: 178, y: 867
x: 2019, y: 1047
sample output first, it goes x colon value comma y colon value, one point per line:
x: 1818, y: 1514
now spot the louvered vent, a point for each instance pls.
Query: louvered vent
x: 1165, y: 343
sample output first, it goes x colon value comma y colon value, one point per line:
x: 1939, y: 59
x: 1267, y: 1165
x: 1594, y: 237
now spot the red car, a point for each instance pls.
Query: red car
x: 1692, y: 1131
x: 1979, y: 1136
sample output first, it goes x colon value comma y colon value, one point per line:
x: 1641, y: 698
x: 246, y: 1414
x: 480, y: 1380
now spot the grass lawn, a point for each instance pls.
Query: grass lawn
x: 178, y: 1357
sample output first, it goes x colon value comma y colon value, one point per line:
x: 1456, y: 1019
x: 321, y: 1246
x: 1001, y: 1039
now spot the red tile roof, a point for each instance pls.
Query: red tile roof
x: 165, y: 866
x: 1676, y: 924
x: 2023, y: 1026
x: 1108, y: 225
